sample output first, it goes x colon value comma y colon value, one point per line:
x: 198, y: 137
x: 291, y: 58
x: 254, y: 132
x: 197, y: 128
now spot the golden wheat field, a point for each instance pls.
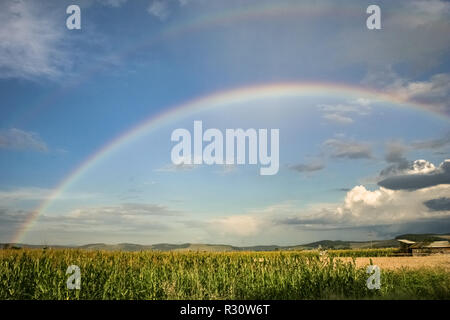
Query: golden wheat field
x: 393, y: 263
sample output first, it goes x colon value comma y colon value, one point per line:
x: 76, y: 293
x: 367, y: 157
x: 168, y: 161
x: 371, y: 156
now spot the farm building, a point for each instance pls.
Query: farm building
x: 425, y: 247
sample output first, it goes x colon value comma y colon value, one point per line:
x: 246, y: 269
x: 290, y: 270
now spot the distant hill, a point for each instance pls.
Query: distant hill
x: 31, y: 246
x: 325, y: 244
x: 159, y: 247
x: 338, y: 244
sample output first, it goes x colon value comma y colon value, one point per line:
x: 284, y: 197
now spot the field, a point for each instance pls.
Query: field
x: 394, y: 263
x: 340, y: 274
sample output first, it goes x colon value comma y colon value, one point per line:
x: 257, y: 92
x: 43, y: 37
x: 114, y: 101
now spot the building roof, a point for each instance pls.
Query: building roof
x: 433, y: 244
x: 439, y: 244
x: 405, y: 241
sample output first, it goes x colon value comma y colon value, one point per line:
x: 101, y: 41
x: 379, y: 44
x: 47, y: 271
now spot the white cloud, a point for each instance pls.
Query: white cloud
x: 16, y: 196
x: 343, y: 113
x: 426, y: 12
x: 30, y: 41
x: 420, y: 167
x: 113, y: 3
x: 419, y: 174
x: 125, y: 211
x: 362, y: 207
x: 240, y: 225
x: 383, y: 206
x: 23, y: 194
x: 159, y: 9
x: 434, y: 92
x: 348, y: 149
x: 414, y: 33
x: 361, y: 109
x: 362, y: 102
x: 22, y: 140
x: 337, y: 118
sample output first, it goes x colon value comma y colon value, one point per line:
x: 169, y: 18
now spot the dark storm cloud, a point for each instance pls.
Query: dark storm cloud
x: 433, y: 226
x: 395, y: 155
x: 383, y: 231
x: 439, y: 204
x: 415, y: 181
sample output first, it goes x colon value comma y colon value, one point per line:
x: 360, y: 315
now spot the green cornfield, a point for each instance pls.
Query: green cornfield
x: 41, y: 274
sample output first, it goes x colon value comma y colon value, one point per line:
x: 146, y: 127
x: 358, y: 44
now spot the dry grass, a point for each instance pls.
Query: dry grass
x: 392, y: 263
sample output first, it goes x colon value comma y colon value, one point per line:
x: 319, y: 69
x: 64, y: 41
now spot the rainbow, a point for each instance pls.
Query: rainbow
x: 203, y: 22
x: 216, y: 100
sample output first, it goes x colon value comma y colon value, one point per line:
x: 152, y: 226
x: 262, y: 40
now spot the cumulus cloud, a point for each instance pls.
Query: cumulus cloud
x: 348, y: 149
x: 22, y: 140
x: 363, y: 207
x: 427, y: 203
x: 421, y: 174
x: 399, y: 164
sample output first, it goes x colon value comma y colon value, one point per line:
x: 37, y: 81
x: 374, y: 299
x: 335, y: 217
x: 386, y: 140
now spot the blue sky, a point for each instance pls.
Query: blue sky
x: 350, y: 163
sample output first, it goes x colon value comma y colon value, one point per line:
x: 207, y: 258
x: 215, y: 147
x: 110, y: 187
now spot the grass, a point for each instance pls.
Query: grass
x: 41, y: 274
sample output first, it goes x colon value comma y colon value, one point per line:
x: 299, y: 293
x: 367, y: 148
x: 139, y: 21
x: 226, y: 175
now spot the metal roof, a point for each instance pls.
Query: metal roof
x: 433, y: 244
x: 439, y: 244
x: 406, y: 241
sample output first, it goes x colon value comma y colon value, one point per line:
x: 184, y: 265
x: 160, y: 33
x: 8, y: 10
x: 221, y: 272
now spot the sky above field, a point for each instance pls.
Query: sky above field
x: 86, y: 118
